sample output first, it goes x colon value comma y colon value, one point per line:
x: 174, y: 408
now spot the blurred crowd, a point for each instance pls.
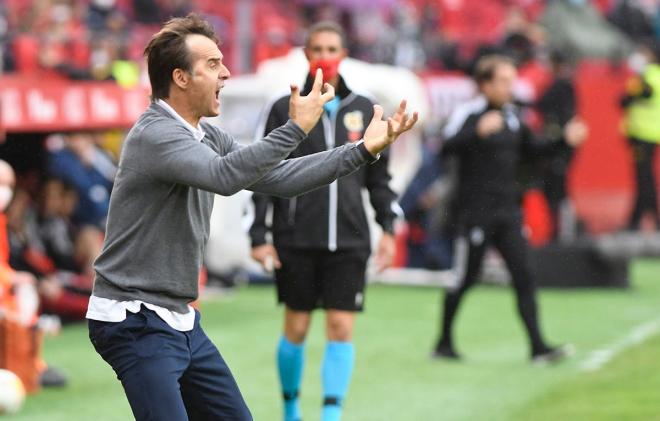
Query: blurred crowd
x: 101, y: 39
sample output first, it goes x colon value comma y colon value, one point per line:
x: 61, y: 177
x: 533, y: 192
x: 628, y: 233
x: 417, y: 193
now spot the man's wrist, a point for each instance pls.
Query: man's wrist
x: 298, y: 128
x: 371, y: 158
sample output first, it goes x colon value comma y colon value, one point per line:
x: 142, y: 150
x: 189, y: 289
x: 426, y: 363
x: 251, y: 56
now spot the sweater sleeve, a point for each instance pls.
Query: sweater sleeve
x: 296, y: 176
x: 170, y: 153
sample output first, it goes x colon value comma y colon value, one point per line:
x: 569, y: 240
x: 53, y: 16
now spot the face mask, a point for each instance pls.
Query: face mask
x: 330, y: 68
x: 6, y: 194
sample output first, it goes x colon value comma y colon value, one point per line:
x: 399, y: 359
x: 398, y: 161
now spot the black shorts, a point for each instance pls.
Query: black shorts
x: 311, y: 279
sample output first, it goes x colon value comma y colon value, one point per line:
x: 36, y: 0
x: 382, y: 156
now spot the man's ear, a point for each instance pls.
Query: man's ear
x: 181, y: 78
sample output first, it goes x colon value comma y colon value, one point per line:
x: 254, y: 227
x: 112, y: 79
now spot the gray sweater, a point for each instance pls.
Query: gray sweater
x: 161, y: 203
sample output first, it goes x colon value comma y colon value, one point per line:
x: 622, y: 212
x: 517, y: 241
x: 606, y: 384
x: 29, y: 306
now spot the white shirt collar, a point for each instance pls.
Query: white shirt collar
x: 197, y: 133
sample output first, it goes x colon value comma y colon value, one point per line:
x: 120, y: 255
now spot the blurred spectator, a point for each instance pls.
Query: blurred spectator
x: 78, y: 161
x: 575, y: 27
x: 4, y: 27
x: 64, y: 280
x: 557, y: 106
x: 147, y: 11
x: 642, y: 111
x: 631, y: 19
x: 19, y: 303
x: 99, y: 12
x: 427, y: 205
x: 70, y: 247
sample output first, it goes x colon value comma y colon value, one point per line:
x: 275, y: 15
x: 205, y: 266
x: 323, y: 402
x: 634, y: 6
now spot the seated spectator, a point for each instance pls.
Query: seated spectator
x: 21, y: 353
x: 61, y: 265
x: 79, y: 162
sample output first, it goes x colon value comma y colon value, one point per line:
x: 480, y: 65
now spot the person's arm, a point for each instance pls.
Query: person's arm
x: 574, y: 134
x: 300, y: 175
x: 262, y: 251
x: 171, y: 154
x: 259, y: 229
x: 381, y: 196
x: 382, y: 199
x: 636, y: 88
x: 296, y: 176
x: 466, y: 135
x: 271, y: 118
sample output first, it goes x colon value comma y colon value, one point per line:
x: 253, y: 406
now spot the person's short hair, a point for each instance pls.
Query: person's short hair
x: 326, y: 26
x: 484, y: 70
x: 167, y: 51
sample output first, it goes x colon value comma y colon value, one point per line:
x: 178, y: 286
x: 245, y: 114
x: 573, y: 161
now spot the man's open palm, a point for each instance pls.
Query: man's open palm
x: 382, y: 133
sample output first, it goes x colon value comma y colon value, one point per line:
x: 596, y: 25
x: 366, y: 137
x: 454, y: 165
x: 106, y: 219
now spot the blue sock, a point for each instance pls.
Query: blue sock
x: 290, y: 362
x: 336, y: 373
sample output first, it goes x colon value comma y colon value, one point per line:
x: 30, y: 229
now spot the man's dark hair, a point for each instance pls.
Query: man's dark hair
x: 168, y: 51
x: 484, y: 70
x: 326, y: 26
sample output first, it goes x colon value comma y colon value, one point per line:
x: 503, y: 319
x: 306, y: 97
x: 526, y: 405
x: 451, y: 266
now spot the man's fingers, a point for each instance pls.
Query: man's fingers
x: 318, y: 81
x: 411, y: 122
x: 390, y: 128
x: 400, y: 123
x: 400, y: 110
x: 295, y: 92
x: 329, y: 92
x: 378, y: 113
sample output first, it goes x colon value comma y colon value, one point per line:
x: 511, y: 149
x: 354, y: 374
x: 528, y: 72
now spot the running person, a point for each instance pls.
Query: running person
x: 140, y: 321
x: 321, y: 239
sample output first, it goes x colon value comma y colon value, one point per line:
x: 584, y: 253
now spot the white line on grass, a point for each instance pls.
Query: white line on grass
x: 598, y: 358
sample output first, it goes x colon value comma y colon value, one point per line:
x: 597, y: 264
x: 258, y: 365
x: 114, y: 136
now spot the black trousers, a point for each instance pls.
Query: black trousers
x: 645, y: 197
x: 168, y: 374
x: 505, y: 234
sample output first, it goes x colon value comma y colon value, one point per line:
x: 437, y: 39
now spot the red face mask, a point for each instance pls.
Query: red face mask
x: 329, y: 67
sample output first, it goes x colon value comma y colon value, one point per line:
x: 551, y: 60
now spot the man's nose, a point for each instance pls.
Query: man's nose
x: 224, y: 73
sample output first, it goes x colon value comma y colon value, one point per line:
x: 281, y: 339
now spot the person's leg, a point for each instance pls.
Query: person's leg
x: 514, y: 250
x: 343, y: 279
x: 208, y: 387
x: 469, y: 251
x: 338, y: 362
x: 643, y: 169
x: 298, y: 291
x: 651, y: 184
x: 149, y: 358
x: 291, y: 359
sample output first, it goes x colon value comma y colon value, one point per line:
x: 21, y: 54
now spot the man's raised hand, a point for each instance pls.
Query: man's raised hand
x: 306, y: 110
x: 382, y: 133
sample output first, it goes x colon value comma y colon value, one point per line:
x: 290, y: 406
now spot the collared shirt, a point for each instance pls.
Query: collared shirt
x: 198, y: 133
x: 107, y: 310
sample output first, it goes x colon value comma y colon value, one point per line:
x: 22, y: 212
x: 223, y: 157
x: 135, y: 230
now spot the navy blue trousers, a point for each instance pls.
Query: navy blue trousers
x: 167, y: 374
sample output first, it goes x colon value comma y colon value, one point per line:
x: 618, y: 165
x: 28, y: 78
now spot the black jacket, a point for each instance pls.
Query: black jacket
x: 488, y: 169
x: 331, y: 217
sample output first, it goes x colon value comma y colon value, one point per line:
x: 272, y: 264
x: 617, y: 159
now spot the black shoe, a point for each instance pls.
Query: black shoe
x: 52, y: 377
x: 445, y: 352
x: 552, y: 355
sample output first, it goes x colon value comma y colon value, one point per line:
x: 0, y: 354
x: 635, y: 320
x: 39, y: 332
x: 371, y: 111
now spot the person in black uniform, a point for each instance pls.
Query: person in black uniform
x: 490, y: 140
x: 321, y: 239
x: 557, y: 107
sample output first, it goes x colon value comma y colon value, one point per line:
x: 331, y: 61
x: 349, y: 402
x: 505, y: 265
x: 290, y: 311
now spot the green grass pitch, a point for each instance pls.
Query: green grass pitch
x: 394, y: 377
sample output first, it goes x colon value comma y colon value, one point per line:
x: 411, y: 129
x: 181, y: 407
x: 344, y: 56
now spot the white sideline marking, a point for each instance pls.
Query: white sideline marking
x: 598, y: 358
